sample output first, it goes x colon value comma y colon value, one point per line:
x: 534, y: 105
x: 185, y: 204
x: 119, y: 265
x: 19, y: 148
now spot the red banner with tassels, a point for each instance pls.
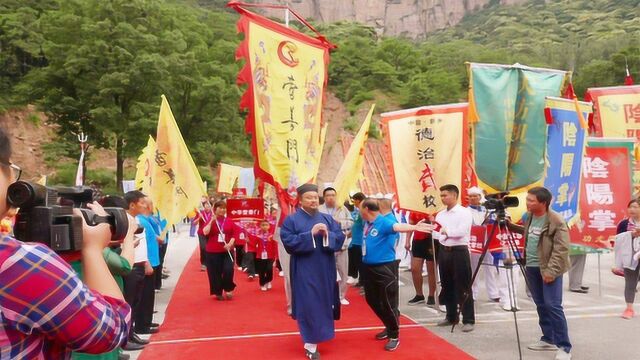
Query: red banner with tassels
x: 286, y: 74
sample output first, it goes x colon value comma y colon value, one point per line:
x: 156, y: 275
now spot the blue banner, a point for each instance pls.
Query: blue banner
x: 565, y: 148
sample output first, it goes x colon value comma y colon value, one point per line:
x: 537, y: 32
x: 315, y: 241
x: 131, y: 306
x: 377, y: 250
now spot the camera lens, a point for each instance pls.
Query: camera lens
x: 20, y: 194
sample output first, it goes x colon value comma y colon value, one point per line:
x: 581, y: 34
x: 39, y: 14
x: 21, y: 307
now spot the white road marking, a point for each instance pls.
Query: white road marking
x: 280, y: 334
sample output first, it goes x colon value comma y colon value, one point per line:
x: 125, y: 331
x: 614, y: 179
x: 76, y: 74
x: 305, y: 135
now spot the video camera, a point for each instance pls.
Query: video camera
x: 46, y: 215
x: 499, y: 202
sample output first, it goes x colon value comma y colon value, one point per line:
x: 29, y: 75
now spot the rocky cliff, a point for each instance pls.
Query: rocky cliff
x: 410, y: 18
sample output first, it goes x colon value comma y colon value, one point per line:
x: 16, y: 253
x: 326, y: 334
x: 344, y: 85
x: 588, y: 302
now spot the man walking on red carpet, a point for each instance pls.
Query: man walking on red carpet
x: 312, y: 238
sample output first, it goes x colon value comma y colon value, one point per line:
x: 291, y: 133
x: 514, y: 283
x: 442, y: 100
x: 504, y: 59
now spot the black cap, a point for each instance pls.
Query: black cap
x: 306, y: 188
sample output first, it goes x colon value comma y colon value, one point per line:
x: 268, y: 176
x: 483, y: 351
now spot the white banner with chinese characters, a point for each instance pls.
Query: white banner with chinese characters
x: 604, y: 194
x: 428, y: 147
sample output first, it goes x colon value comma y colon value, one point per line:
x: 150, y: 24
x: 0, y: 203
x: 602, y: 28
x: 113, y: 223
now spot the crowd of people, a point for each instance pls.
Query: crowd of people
x: 324, y: 247
x: 320, y: 249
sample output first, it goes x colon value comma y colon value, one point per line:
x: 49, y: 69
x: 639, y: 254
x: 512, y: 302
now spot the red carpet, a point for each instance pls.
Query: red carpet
x: 255, y: 325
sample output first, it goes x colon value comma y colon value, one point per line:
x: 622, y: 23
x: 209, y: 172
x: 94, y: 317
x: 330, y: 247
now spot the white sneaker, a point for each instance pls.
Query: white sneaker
x: 239, y: 268
x: 269, y: 285
x: 344, y: 302
x: 263, y: 288
x: 563, y: 355
x: 281, y: 273
x: 542, y: 346
x: 351, y: 280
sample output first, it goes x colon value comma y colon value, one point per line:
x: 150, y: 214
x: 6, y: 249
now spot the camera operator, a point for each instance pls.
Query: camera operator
x: 47, y: 311
x: 546, y: 258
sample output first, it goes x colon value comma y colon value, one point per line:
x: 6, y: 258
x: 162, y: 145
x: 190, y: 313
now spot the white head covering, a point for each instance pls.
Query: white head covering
x: 475, y: 191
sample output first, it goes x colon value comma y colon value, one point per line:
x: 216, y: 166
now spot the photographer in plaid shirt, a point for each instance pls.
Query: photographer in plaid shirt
x: 46, y: 311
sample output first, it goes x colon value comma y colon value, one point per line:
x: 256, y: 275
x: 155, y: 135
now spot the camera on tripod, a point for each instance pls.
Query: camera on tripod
x: 46, y: 215
x: 499, y: 202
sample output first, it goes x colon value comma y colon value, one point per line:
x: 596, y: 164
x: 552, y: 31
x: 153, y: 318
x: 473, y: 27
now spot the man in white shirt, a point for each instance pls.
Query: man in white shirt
x: 340, y: 214
x: 133, y: 282
x: 455, y: 265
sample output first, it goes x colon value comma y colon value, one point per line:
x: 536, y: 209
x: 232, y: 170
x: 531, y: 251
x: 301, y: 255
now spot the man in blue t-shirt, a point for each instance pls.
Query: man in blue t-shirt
x: 380, y: 271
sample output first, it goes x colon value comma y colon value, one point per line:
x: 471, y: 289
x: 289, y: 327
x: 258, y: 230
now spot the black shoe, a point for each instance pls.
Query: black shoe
x: 147, y: 331
x: 431, y: 301
x: 579, y: 291
x: 418, y: 299
x: 130, y: 346
x: 392, y: 344
x: 584, y: 288
x: 138, y: 340
x: 123, y: 356
x: 154, y: 325
x: 382, y: 335
x: 312, y: 355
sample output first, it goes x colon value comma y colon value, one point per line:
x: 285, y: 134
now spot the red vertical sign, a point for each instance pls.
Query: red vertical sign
x: 604, y: 193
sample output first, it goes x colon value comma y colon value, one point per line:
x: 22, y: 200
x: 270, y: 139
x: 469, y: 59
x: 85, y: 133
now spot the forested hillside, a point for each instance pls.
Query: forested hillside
x: 100, y: 65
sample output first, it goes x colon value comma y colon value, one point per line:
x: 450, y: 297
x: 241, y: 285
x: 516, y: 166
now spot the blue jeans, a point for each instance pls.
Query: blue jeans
x: 548, y: 299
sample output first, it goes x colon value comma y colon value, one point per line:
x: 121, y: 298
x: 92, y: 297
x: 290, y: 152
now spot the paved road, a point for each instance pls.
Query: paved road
x: 595, y: 326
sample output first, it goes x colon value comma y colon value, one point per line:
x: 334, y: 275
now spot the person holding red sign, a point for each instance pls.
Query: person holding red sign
x: 546, y: 258
x: 265, y: 255
x: 220, y: 242
x: 627, y: 245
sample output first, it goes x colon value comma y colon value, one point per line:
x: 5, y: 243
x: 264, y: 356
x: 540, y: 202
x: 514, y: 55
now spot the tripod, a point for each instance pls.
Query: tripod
x: 507, y: 237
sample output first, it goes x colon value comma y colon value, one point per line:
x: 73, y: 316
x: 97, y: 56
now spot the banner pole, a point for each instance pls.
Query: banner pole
x: 599, y: 277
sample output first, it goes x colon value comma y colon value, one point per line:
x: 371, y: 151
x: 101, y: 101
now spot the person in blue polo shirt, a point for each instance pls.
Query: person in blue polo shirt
x: 380, y: 268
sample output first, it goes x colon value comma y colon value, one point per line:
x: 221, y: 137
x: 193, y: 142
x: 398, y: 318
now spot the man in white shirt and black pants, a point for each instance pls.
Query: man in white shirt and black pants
x: 455, y: 265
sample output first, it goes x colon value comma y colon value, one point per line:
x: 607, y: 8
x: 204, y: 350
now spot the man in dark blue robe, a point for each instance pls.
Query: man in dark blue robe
x: 312, y: 238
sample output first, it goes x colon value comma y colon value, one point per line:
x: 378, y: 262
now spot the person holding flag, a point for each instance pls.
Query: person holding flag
x: 219, y: 260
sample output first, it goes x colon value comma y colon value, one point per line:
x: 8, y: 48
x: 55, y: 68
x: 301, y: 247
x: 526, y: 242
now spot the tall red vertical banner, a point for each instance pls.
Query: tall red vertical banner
x: 604, y: 193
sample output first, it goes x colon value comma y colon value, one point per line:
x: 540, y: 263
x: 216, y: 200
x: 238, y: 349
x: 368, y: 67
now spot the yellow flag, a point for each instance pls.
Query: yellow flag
x: 177, y: 186
x: 227, y: 177
x: 351, y: 168
x: 144, y: 168
x: 43, y: 180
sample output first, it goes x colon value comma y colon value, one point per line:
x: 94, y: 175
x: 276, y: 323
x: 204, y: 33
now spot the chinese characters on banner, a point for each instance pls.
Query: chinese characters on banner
x: 245, y: 209
x: 177, y: 185
x: 501, y: 240
x: 477, y: 238
x: 617, y: 115
x: 565, y: 147
x: 604, y: 193
x: 428, y: 148
x: 286, y: 74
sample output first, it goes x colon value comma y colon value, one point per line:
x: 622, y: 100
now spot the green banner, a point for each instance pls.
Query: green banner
x: 507, y: 105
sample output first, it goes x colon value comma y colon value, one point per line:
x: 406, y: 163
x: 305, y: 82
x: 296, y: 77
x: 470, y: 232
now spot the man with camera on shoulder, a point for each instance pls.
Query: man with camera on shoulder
x: 47, y: 311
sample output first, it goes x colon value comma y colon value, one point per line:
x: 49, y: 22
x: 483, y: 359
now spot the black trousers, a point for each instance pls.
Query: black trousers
x: 163, y: 252
x: 239, y: 254
x: 455, y: 270
x: 355, y: 259
x: 249, y: 262
x: 220, y: 272
x: 382, y: 294
x: 144, y: 315
x: 202, y: 241
x: 133, y: 286
x: 264, y: 268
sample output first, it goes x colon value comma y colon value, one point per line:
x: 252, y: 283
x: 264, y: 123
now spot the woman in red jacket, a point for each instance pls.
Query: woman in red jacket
x: 220, y: 243
x: 266, y: 251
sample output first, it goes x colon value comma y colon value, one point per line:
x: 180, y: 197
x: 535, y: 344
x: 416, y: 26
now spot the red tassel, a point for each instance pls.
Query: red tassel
x: 547, y: 116
x: 569, y: 93
x: 628, y: 80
